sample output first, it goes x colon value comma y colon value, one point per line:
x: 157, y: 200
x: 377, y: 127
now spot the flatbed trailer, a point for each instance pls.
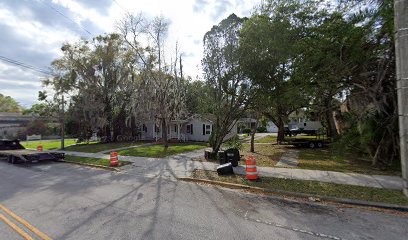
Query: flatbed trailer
x: 317, y: 142
x: 14, y: 152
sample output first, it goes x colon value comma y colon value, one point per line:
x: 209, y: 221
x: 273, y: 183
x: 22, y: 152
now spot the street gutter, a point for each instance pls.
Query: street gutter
x: 300, y: 195
x: 92, y: 165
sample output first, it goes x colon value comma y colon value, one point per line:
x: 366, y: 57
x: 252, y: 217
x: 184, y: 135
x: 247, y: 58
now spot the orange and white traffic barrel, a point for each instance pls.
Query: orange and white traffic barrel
x: 114, y: 161
x: 251, y: 171
x: 40, y: 148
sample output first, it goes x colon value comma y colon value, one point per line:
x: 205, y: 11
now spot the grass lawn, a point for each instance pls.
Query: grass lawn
x: 94, y: 147
x: 95, y: 161
x: 265, y: 155
x: 267, y: 139
x: 158, y: 151
x: 48, y: 144
x: 328, y: 160
x: 313, y: 187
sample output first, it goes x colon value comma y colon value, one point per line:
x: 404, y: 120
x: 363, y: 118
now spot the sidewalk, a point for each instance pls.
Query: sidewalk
x: 181, y: 166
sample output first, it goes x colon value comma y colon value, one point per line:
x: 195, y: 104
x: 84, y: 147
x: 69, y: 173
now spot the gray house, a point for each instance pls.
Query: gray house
x: 11, y: 124
x: 195, y: 128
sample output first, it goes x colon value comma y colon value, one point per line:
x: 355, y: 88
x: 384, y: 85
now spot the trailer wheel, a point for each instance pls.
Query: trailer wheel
x: 319, y: 144
x: 312, y: 145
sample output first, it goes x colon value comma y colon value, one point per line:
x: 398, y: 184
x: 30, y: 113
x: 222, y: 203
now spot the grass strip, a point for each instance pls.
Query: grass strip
x: 329, y: 160
x: 94, y: 161
x: 48, y: 144
x: 267, y: 139
x: 94, y: 147
x: 158, y: 151
x: 378, y: 195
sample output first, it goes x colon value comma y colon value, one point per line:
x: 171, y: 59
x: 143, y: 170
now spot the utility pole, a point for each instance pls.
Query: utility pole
x: 401, y: 55
x: 63, y: 124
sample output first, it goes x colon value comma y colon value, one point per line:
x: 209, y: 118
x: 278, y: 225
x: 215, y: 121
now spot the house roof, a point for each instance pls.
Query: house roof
x: 242, y: 120
x: 207, y: 117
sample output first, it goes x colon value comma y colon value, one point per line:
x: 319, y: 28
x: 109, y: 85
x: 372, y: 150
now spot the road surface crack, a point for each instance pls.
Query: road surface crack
x: 316, y: 234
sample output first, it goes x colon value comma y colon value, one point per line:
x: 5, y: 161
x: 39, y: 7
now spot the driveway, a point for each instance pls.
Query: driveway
x: 72, y: 202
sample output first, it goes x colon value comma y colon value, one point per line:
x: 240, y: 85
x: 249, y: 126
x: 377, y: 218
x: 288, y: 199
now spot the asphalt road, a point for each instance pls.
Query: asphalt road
x: 71, y: 202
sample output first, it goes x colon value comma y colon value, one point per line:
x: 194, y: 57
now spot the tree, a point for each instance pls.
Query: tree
x: 230, y: 89
x: 99, y: 77
x: 163, y: 86
x: 8, y: 104
x: 37, y: 109
x: 199, y: 98
x: 270, y: 51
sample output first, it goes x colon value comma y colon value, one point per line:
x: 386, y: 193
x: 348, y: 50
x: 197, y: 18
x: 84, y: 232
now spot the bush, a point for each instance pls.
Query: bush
x: 233, y: 143
x: 261, y: 129
x: 246, y: 130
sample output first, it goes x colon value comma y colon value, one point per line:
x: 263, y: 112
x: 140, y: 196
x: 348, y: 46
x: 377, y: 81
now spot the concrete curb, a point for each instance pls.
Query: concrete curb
x: 302, y: 195
x: 92, y: 165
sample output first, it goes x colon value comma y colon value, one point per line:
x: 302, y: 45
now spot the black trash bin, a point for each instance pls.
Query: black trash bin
x: 222, y: 157
x: 232, y: 156
x: 225, y: 169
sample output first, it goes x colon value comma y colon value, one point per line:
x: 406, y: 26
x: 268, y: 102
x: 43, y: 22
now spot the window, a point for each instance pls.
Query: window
x: 304, y: 124
x: 188, y: 128
x: 144, y: 128
x: 175, y: 128
x: 156, y: 128
x: 206, y: 129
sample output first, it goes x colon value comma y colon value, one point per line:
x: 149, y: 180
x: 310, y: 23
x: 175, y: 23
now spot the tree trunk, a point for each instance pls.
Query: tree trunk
x: 281, y: 130
x: 164, y: 133
x: 253, y: 131
x: 63, y: 124
x: 108, y: 129
x: 331, y: 123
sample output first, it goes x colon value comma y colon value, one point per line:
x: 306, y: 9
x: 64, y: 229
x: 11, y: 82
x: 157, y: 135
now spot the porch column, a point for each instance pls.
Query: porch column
x: 178, y: 131
x: 154, y: 132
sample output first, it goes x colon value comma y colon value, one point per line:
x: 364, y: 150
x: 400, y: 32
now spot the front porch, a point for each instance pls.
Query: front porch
x: 175, y: 132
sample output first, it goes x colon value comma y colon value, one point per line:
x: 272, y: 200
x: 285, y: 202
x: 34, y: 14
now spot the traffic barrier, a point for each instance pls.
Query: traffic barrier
x: 40, y: 148
x: 114, y: 161
x: 251, y: 171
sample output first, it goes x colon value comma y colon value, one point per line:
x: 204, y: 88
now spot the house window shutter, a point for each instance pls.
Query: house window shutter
x: 191, y: 129
x: 203, y: 129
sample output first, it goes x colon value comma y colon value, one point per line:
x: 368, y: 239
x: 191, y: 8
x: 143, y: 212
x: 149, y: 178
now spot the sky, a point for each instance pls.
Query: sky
x: 33, y: 31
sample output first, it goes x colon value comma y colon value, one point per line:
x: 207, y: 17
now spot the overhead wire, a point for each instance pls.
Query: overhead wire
x: 65, y: 16
x: 24, y: 65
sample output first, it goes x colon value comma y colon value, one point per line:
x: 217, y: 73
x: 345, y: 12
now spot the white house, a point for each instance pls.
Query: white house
x: 195, y: 128
x: 271, y: 127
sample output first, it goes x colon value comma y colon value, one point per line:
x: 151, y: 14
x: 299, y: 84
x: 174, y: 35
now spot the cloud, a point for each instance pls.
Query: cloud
x: 200, y: 6
x: 220, y: 9
x: 188, y: 54
x: 32, y: 32
x: 101, y: 6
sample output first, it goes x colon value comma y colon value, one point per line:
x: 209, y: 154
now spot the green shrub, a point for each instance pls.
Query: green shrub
x: 233, y: 143
x: 261, y: 129
x: 246, y: 130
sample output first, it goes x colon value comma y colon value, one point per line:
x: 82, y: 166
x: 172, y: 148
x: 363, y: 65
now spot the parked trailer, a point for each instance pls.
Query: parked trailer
x: 317, y: 142
x: 14, y: 152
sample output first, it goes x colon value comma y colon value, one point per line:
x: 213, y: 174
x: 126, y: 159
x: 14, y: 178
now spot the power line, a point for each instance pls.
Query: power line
x: 65, y: 16
x: 124, y: 9
x: 24, y: 65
